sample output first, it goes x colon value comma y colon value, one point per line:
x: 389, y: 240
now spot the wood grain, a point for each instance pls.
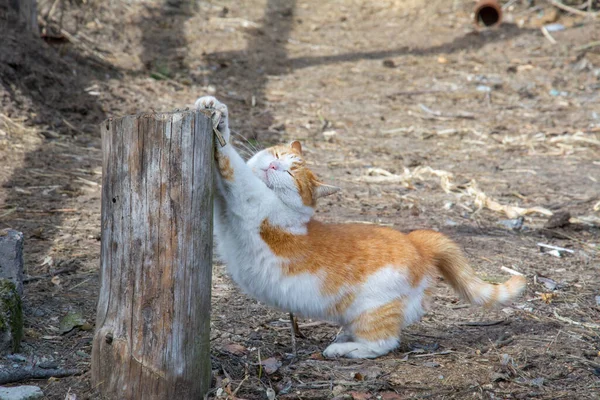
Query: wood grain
x: 152, y: 327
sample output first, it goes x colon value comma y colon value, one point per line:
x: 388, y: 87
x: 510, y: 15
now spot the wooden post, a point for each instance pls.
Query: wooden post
x: 152, y: 327
x: 27, y: 10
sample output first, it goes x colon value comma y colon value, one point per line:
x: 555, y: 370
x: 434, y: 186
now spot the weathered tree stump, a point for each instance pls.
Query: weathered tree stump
x: 152, y: 327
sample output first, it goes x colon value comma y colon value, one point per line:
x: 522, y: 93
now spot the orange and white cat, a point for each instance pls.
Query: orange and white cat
x: 371, y: 280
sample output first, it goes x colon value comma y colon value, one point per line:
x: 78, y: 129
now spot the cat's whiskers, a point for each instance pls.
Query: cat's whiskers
x: 254, y: 148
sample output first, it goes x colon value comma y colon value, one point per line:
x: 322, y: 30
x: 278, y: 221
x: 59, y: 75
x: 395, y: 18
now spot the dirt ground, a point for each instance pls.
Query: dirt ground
x: 422, y: 120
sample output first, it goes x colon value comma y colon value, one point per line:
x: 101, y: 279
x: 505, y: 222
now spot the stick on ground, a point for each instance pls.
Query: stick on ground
x: 17, y: 375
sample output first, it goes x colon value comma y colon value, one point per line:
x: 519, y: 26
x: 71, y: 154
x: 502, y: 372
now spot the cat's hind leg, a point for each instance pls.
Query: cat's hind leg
x: 374, y: 332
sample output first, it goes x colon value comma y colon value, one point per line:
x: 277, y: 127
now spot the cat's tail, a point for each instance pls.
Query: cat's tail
x: 451, y: 263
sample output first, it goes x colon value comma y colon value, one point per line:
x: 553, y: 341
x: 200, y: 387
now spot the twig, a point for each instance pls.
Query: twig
x: 511, y: 271
x: 294, y: 329
x: 570, y: 321
x: 48, y: 14
x: 441, y: 353
x: 439, y: 114
x: 57, y: 210
x: 547, y: 35
x: 240, y: 385
x: 260, y: 366
x: 10, y: 211
x: 482, y: 323
x: 585, y: 361
x: 413, y: 92
x: 18, y: 375
x: 73, y: 127
x: 549, y: 246
x: 587, y: 46
x: 325, y: 384
x: 572, y: 10
x: 49, y: 274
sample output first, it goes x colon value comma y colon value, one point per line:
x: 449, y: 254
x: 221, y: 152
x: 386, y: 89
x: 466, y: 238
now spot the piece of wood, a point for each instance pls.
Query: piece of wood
x: 152, y: 327
x: 12, y: 375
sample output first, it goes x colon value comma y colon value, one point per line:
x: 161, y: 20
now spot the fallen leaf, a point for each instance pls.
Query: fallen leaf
x: 71, y: 321
x: 271, y: 365
x: 369, y: 373
x: 548, y: 297
x: 235, y: 349
x: 389, y: 396
x: 549, y: 283
x: 499, y: 376
x: 360, y: 396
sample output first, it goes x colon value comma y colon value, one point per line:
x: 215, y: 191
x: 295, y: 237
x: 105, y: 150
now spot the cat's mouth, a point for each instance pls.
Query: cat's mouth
x: 265, y: 177
x: 266, y: 173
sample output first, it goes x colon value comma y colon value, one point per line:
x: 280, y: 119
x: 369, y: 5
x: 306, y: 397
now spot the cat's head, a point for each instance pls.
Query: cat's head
x: 283, y: 169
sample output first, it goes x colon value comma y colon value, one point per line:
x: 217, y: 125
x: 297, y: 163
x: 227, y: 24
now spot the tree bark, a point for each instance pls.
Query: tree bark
x: 153, y: 318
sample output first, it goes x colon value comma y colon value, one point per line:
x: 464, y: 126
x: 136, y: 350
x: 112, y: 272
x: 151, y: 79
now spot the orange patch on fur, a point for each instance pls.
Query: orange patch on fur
x: 342, y: 305
x: 426, y: 301
x: 381, y: 323
x: 346, y: 254
x: 224, y: 166
x: 305, y: 182
x: 453, y: 266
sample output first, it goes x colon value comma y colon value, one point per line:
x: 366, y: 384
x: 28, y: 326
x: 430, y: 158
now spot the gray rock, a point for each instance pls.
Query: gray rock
x: 21, y: 393
x: 11, y: 257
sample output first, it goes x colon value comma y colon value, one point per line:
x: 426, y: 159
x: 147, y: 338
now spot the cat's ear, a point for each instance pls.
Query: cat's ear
x: 296, y: 146
x: 325, y: 190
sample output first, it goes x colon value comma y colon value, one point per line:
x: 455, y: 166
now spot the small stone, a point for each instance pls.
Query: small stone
x: 431, y: 364
x: 330, y: 135
x: 337, y: 390
x: 72, y: 320
x: 21, y: 393
x: 558, y: 220
x: 514, y: 224
x: 11, y: 257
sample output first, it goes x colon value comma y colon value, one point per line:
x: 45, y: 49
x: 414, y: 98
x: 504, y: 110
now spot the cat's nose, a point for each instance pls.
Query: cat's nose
x: 275, y: 165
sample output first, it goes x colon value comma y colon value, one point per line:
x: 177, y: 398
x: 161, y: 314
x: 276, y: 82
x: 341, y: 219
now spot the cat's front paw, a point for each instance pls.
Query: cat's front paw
x: 212, y: 104
x: 353, y: 350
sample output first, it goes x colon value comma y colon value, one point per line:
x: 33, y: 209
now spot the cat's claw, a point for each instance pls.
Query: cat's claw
x: 212, y: 104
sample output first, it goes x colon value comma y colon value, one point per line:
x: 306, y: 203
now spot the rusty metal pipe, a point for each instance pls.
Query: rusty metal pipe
x: 488, y: 13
